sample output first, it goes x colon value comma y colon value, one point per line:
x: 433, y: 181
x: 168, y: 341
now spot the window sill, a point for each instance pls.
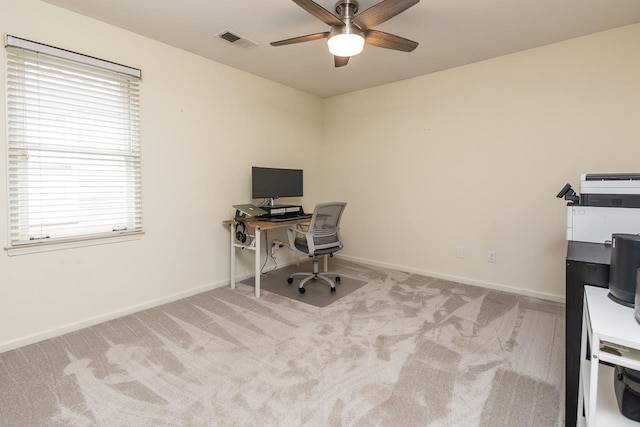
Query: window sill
x: 70, y: 244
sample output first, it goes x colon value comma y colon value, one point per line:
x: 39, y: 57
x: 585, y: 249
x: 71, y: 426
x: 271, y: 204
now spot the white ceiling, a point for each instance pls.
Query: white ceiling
x: 450, y: 33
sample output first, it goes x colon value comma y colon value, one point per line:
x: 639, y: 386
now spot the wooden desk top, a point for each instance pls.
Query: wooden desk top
x: 256, y: 223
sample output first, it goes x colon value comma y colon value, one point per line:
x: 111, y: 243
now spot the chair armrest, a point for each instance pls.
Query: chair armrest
x: 296, y: 230
x: 292, y: 237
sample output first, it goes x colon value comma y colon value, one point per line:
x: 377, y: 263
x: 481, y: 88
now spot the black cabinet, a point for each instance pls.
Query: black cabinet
x: 587, y: 264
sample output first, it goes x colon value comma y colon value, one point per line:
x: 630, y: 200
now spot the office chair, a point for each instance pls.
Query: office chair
x: 321, y: 237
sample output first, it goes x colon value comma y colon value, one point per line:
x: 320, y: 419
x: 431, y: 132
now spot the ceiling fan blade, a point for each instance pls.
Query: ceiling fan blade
x: 340, y: 61
x: 319, y: 12
x: 307, y: 38
x: 389, y: 41
x: 381, y: 12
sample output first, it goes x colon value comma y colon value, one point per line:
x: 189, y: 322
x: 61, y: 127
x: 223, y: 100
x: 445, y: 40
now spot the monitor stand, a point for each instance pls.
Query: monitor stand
x: 272, y: 203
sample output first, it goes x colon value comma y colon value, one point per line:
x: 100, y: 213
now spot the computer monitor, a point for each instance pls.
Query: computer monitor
x: 272, y: 183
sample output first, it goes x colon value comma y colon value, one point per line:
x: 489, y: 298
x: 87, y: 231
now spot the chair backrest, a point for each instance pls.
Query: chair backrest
x: 325, y: 225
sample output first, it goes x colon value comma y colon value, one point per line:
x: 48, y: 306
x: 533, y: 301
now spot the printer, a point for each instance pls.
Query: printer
x: 608, y: 203
x: 617, y: 190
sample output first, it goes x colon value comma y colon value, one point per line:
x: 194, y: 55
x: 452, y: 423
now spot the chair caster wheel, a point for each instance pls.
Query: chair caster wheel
x: 338, y: 279
x: 333, y: 290
x: 302, y: 290
x: 290, y: 280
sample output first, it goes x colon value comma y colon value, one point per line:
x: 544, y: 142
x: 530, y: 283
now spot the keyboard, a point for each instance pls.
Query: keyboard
x: 281, y: 218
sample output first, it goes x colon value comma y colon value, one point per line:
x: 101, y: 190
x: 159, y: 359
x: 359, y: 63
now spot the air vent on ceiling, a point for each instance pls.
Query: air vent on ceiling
x: 236, y: 39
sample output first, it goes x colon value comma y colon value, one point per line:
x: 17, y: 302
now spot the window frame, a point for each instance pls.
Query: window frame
x: 127, y: 172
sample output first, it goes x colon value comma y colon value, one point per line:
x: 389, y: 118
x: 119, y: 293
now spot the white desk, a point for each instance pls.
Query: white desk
x: 254, y: 232
x: 605, y: 322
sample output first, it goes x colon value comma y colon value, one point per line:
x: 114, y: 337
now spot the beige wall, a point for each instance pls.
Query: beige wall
x: 474, y: 156
x: 203, y: 126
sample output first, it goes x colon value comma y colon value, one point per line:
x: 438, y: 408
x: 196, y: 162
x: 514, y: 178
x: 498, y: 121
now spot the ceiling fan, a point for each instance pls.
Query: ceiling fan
x: 349, y: 32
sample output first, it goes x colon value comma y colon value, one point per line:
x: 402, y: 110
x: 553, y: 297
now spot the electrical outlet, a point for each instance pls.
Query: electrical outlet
x: 459, y: 251
x: 491, y: 256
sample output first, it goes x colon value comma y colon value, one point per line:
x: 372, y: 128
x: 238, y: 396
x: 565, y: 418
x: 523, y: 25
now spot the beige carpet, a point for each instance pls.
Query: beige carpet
x: 403, y: 350
x: 317, y: 292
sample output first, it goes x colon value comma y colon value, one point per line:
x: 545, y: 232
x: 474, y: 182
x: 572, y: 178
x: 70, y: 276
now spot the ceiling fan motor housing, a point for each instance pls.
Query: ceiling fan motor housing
x: 348, y: 28
x: 346, y: 9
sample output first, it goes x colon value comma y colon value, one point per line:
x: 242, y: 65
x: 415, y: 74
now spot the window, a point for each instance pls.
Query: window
x: 73, y: 147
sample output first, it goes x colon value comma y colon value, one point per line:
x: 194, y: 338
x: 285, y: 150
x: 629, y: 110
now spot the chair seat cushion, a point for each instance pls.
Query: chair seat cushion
x: 334, y: 246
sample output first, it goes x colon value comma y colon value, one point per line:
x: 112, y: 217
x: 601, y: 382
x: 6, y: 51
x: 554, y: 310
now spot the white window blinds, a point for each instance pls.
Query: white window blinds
x: 73, y: 146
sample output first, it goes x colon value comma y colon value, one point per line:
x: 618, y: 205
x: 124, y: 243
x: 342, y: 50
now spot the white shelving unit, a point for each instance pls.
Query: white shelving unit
x: 606, y: 324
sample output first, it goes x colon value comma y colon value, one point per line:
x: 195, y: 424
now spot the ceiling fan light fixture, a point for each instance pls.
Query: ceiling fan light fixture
x: 346, y: 44
x: 346, y: 41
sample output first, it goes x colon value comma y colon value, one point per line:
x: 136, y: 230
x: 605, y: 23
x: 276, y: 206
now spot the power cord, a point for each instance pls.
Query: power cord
x: 268, y: 254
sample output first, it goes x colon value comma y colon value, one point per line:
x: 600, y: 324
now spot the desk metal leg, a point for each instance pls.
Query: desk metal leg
x: 257, y: 260
x: 254, y: 246
x: 232, y: 279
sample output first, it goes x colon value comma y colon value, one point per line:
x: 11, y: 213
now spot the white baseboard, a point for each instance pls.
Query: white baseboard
x: 459, y: 279
x: 71, y: 327
x: 50, y: 333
